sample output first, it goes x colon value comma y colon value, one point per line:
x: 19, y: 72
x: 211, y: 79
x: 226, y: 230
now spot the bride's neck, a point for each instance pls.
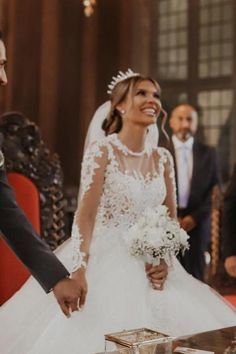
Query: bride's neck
x: 133, y: 138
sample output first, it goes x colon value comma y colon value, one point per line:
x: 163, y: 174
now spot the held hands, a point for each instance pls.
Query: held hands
x: 157, y: 274
x: 230, y: 266
x: 67, y: 292
x: 71, y: 293
x: 80, y: 279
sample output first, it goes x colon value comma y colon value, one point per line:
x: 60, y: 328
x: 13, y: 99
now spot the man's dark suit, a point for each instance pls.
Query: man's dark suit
x: 229, y: 219
x: 204, y: 178
x: 21, y: 237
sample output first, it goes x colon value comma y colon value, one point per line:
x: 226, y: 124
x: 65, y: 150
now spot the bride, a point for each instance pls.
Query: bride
x: 123, y: 173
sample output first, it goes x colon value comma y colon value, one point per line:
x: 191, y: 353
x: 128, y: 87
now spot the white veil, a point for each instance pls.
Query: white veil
x: 96, y: 133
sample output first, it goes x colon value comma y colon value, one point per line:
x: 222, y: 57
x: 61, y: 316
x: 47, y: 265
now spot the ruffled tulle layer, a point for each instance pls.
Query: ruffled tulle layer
x: 119, y: 297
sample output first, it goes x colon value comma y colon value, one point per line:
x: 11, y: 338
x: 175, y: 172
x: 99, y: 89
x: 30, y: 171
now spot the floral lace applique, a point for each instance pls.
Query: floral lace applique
x: 126, y: 151
x: 89, y: 166
x: 78, y: 256
x: 166, y: 158
x: 125, y: 194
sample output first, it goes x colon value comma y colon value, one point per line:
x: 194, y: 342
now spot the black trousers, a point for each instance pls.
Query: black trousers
x: 194, y: 260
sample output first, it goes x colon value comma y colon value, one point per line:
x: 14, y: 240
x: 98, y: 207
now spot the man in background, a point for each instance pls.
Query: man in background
x: 196, y: 175
x: 20, y: 236
x: 229, y: 227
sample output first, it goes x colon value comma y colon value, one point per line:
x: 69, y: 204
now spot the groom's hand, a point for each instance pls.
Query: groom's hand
x: 80, y: 278
x: 67, y: 293
x: 157, y: 274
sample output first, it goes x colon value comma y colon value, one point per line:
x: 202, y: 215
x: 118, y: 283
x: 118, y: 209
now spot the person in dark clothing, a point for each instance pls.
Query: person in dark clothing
x: 229, y: 227
x: 196, y: 174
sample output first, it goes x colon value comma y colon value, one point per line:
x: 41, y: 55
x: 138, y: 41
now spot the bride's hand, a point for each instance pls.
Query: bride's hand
x: 80, y: 278
x: 157, y: 274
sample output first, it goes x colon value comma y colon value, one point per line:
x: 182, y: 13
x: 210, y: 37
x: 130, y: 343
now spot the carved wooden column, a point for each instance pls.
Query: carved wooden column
x: 49, y: 72
x: 88, y: 77
x: 142, y: 34
x: 6, y: 12
x: 23, y: 51
x: 126, y: 35
x: 69, y: 88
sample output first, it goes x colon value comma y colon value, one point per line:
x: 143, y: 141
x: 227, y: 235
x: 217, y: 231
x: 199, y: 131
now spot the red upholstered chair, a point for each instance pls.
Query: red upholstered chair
x: 11, y: 267
x: 231, y: 299
x: 36, y: 177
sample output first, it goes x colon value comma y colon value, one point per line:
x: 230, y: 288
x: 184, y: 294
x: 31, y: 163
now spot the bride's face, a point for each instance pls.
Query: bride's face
x: 142, y: 105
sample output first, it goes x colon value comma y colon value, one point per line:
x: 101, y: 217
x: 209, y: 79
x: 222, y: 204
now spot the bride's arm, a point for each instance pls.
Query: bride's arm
x: 158, y: 274
x: 169, y: 175
x: 91, y: 186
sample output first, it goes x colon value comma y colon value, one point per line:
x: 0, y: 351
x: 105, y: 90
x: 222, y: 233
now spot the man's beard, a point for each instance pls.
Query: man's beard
x: 184, y: 135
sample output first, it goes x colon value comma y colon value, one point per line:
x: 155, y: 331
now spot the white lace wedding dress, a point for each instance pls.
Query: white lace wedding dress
x: 119, y: 293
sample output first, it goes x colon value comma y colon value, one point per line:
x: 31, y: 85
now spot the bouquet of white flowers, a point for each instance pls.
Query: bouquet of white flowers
x: 156, y: 236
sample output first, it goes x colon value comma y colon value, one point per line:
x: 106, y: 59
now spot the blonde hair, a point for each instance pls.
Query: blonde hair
x: 113, y: 122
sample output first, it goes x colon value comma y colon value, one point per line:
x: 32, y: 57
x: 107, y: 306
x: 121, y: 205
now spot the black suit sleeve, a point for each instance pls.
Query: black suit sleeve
x: 229, y: 219
x: 204, y: 207
x: 23, y: 240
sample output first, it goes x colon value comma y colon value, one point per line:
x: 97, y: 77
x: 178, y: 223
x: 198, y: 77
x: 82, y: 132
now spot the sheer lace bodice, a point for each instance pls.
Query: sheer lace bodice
x: 120, y: 184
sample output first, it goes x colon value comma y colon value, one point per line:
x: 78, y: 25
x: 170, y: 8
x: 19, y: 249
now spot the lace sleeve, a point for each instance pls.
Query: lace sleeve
x: 91, y: 185
x: 169, y: 174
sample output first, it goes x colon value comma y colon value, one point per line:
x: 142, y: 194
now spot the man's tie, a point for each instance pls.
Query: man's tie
x: 183, y: 178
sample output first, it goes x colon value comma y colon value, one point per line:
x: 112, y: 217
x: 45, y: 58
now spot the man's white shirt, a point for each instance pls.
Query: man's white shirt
x: 184, y: 165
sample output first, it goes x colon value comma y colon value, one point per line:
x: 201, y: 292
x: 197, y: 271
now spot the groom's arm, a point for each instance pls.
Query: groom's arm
x: 24, y: 241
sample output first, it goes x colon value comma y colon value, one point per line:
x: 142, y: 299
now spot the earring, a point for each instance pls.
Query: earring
x: 122, y: 111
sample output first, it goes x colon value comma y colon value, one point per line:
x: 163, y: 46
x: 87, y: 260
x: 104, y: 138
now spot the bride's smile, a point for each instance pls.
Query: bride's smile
x: 142, y: 105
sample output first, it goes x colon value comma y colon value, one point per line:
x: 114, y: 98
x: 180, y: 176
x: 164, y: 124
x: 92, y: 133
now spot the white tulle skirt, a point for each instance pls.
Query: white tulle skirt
x: 119, y: 297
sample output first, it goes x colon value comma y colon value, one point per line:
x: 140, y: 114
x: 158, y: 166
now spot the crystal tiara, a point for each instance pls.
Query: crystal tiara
x: 120, y: 77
